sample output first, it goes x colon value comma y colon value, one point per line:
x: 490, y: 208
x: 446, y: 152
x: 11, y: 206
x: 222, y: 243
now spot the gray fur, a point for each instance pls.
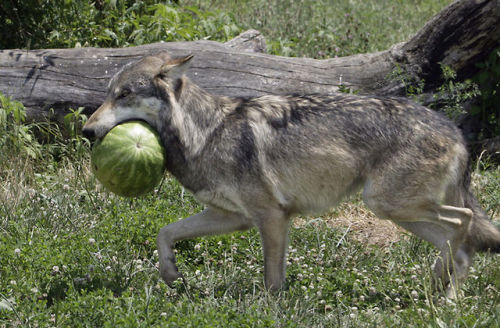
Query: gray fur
x: 260, y: 161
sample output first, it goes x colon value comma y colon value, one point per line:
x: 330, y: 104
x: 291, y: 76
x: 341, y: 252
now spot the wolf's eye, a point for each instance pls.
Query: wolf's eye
x: 123, y: 93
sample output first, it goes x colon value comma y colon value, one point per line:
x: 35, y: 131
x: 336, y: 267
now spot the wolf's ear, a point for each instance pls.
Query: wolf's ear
x: 175, y: 68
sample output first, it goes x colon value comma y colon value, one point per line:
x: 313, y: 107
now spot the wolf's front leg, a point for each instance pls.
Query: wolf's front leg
x: 207, y: 222
x: 274, y: 228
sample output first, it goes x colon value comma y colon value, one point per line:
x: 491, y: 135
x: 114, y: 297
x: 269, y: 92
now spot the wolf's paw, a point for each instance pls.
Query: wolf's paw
x: 170, y: 275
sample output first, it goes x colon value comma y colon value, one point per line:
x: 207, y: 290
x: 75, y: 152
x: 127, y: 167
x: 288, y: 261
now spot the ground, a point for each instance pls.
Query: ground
x: 360, y: 223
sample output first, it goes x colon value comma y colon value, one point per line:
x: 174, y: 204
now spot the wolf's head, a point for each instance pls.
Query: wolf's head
x: 137, y: 92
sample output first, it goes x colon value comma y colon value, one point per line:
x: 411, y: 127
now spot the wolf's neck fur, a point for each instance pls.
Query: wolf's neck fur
x: 197, y: 115
x: 194, y: 116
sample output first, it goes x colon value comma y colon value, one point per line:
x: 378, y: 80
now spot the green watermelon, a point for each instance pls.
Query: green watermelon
x: 129, y: 160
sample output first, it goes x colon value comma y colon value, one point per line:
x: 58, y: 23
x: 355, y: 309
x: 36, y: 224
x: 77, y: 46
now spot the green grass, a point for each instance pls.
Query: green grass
x: 323, y: 28
x: 73, y: 255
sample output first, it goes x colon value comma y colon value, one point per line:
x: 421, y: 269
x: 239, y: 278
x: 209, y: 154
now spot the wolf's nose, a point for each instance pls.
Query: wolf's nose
x: 88, y: 133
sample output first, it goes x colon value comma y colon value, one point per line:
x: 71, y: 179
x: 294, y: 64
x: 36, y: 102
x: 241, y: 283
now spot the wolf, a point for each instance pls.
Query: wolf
x: 258, y: 162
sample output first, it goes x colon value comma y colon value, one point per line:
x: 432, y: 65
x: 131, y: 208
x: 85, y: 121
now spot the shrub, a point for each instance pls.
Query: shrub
x: 107, y: 23
x: 488, y: 108
x: 16, y: 138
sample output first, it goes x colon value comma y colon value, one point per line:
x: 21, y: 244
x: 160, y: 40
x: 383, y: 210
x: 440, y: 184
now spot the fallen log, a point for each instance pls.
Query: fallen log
x: 459, y: 36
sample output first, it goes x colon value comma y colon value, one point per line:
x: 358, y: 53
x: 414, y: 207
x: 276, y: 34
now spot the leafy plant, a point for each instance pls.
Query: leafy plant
x: 412, y: 83
x: 345, y: 89
x: 481, y: 92
x: 108, y: 23
x: 323, y: 29
x: 73, y: 121
x: 488, y: 106
x: 15, y: 136
x: 451, y: 95
x: 75, y: 147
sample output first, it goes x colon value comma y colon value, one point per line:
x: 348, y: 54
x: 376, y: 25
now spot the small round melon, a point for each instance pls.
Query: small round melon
x: 130, y: 160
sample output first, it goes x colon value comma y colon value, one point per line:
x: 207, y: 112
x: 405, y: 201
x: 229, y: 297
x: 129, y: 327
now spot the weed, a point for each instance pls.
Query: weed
x: 108, y: 23
x: 412, y: 83
x: 325, y: 29
x: 451, y: 95
x: 488, y: 109
x: 449, y: 98
x: 15, y: 136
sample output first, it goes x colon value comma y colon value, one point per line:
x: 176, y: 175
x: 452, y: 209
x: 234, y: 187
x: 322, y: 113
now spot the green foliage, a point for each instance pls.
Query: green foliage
x: 107, y: 23
x: 25, y: 158
x: 326, y: 38
x: 74, y: 146
x: 73, y: 122
x: 345, y: 89
x: 311, y: 28
x: 71, y: 262
x: 486, y: 184
x: 488, y: 108
x: 451, y: 95
x: 413, y: 85
x: 325, y: 29
x: 16, y: 138
x: 482, y: 91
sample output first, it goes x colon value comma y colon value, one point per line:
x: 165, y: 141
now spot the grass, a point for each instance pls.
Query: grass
x: 73, y: 255
x: 325, y: 28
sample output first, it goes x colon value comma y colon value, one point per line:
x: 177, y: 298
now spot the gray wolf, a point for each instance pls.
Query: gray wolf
x: 257, y: 162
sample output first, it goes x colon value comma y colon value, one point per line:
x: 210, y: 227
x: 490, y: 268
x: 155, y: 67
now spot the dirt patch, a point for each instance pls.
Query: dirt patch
x: 360, y: 224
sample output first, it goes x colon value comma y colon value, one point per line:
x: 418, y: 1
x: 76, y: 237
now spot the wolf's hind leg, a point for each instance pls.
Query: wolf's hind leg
x: 449, y: 271
x: 442, y: 225
x: 462, y: 262
x: 452, y: 265
x: 427, y: 200
x: 208, y: 222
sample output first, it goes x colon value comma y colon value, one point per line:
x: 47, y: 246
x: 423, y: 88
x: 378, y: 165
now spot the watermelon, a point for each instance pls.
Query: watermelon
x: 129, y: 160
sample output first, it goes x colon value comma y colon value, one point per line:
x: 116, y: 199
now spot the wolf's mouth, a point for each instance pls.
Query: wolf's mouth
x: 123, y: 122
x: 94, y: 138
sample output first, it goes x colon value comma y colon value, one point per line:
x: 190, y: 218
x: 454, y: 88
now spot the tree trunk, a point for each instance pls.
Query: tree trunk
x: 460, y: 35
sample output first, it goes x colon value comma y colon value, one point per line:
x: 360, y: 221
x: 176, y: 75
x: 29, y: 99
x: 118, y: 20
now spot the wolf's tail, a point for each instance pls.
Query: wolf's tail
x: 482, y: 234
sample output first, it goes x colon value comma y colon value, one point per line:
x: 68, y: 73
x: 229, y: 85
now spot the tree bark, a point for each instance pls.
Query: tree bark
x: 460, y: 35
